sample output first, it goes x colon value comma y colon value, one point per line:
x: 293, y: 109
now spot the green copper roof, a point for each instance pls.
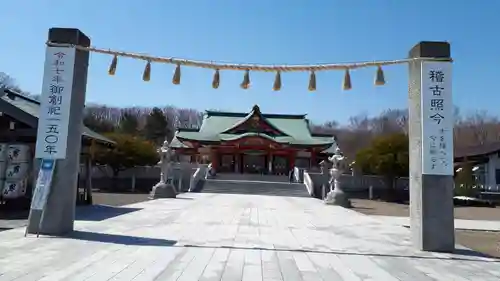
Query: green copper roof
x: 215, y: 123
x: 332, y: 148
x: 176, y: 143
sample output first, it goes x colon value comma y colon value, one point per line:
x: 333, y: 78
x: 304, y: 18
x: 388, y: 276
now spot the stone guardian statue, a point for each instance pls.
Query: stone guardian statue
x: 164, y: 188
x: 337, y: 196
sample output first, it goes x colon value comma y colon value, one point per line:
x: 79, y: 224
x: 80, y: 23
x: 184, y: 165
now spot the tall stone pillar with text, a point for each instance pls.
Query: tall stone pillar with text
x: 60, y: 128
x: 431, y: 147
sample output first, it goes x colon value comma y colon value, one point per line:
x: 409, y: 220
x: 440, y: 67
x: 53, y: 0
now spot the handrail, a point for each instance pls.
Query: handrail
x: 194, y: 179
x: 197, y: 175
x: 297, y: 172
x: 308, y: 182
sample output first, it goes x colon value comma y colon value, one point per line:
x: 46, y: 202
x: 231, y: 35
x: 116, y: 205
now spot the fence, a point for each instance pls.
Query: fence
x: 139, y: 179
x: 357, y: 186
x: 143, y: 178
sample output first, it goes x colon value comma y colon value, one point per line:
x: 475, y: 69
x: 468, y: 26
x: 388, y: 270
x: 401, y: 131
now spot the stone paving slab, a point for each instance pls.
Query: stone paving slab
x: 234, y: 237
x: 480, y: 225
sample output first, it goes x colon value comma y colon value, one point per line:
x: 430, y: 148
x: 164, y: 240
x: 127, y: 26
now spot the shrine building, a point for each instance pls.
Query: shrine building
x: 253, y: 142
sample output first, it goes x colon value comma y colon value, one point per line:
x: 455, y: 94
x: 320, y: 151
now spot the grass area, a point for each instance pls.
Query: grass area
x: 118, y: 199
x: 381, y: 208
x: 485, y: 242
x: 482, y: 241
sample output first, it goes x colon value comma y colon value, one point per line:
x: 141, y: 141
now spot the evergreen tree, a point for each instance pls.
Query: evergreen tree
x: 157, y: 127
x: 387, y: 156
x: 98, y: 125
x: 129, y: 124
x: 129, y: 151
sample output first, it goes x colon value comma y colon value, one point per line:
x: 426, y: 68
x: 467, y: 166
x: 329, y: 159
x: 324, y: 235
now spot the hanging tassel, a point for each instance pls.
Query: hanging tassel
x: 277, y: 81
x: 312, y: 81
x: 146, y: 76
x: 379, y: 78
x: 176, y: 80
x: 246, y: 80
x: 347, y: 80
x: 216, y: 80
x: 112, y: 66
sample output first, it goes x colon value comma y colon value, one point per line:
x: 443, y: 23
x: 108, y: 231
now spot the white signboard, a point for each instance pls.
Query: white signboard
x: 437, y: 119
x: 55, y: 102
x: 43, y: 183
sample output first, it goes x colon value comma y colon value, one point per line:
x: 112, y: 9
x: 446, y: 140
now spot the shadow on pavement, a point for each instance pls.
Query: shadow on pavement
x: 119, y: 239
x: 13, y: 214
x: 472, y: 253
x: 461, y: 252
x: 101, y: 212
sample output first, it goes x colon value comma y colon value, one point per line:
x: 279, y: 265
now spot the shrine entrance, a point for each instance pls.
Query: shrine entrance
x: 430, y: 77
x: 254, y: 162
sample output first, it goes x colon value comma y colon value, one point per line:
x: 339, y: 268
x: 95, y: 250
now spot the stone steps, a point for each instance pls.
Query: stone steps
x: 251, y: 177
x: 255, y: 188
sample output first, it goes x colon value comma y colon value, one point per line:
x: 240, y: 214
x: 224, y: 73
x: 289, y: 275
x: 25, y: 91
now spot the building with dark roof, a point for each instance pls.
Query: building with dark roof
x: 485, y: 159
x: 23, y: 111
x: 19, y: 123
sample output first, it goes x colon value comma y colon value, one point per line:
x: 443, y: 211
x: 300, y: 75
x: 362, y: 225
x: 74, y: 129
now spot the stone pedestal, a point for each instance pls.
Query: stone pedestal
x: 338, y: 198
x: 163, y: 190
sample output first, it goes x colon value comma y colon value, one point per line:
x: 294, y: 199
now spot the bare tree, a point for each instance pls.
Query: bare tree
x: 475, y: 129
x: 7, y: 82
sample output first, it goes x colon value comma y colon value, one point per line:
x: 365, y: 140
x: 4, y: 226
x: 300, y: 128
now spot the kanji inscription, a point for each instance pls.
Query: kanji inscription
x: 55, y: 103
x: 437, y: 119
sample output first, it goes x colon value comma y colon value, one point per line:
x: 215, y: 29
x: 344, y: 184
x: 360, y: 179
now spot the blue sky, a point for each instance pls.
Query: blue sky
x: 267, y: 32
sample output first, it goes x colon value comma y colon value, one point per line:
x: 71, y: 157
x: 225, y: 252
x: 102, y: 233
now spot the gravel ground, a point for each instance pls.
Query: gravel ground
x: 118, y: 199
x: 482, y: 241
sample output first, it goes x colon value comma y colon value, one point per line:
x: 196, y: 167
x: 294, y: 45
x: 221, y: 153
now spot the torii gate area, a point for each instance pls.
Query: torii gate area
x: 432, y: 222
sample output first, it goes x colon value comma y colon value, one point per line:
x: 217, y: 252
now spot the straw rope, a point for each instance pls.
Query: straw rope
x: 245, y: 66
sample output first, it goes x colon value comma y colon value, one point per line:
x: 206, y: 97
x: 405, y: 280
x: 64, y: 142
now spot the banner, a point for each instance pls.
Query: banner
x: 43, y: 183
x: 437, y: 119
x: 55, y: 101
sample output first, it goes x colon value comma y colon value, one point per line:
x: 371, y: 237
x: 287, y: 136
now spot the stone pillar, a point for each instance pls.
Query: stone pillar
x: 59, y: 214
x: 431, y: 195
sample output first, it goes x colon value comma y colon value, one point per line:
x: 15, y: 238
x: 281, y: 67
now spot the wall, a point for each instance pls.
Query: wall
x: 491, y: 167
x: 486, y: 174
x: 357, y: 186
x: 144, y: 178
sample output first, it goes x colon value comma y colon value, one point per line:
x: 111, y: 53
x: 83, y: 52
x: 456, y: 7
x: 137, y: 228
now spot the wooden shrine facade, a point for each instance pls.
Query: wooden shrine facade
x: 253, y: 142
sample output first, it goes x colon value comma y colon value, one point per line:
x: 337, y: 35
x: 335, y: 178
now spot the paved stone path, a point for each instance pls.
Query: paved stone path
x: 481, y: 225
x: 233, y: 237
